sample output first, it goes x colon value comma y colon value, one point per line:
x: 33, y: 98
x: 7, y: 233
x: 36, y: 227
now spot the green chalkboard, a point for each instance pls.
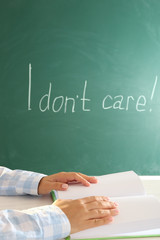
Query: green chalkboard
x: 80, y: 85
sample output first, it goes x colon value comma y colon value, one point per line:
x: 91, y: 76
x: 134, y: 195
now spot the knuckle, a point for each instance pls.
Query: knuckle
x: 98, y: 212
x: 96, y: 220
x: 104, y: 221
x: 112, y: 204
x: 109, y: 205
x: 107, y: 212
x: 103, y: 204
x: 99, y: 198
x: 80, y: 204
x: 80, y: 201
x: 99, y: 222
x: 91, y: 198
x: 73, y: 174
x: 104, y: 213
x: 94, y: 198
x: 97, y: 204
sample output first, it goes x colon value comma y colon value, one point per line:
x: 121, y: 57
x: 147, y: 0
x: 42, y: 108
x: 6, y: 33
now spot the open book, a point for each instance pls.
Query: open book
x: 139, y: 213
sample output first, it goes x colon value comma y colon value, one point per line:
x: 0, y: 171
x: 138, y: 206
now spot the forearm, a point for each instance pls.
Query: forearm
x: 47, y: 222
x: 19, y: 182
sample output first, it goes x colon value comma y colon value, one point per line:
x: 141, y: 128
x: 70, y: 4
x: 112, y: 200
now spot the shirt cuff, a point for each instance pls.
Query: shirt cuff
x: 19, y: 182
x: 52, y: 221
x: 28, y: 183
x: 65, y: 226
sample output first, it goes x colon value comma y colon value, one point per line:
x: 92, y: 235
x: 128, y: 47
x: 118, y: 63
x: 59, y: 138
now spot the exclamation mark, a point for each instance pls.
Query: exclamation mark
x: 29, y: 88
x: 153, y: 91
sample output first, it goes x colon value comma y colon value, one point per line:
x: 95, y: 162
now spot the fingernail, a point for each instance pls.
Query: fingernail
x: 94, y: 179
x: 110, y: 218
x: 88, y: 184
x: 65, y: 186
x: 107, y: 198
x: 116, y: 204
x: 116, y: 211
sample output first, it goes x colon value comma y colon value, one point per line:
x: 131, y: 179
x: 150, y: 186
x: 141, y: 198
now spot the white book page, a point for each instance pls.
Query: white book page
x: 111, y: 185
x: 142, y: 233
x: 141, y: 213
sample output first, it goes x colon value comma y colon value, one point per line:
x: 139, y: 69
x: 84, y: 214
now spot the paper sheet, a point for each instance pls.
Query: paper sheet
x: 111, y: 185
x: 141, y: 213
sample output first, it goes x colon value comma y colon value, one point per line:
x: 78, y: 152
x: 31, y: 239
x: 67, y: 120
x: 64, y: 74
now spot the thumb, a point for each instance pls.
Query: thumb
x: 59, y: 186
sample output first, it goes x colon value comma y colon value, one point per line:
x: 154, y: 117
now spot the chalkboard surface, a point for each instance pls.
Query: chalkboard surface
x: 80, y: 85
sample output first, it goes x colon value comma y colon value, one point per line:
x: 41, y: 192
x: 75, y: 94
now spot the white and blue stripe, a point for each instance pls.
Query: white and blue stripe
x: 46, y: 222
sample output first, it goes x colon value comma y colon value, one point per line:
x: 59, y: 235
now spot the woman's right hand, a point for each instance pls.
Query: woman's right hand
x: 88, y: 212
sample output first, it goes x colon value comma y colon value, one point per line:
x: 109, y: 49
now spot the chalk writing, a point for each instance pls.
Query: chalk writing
x: 62, y: 103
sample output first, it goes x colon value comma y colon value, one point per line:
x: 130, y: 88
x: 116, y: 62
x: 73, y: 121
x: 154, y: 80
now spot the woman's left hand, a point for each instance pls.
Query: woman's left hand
x: 59, y: 181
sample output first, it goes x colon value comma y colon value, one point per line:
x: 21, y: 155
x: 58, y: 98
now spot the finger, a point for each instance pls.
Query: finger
x: 114, y: 212
x: 77, y: 177
x: 99, y: 221
x: 101, y: 205
x: 57, y: 186
x: 101, y: 213
x: 93, y: 199
x: 90, y: 179
x: 94, y: 223
x: 71, y: 177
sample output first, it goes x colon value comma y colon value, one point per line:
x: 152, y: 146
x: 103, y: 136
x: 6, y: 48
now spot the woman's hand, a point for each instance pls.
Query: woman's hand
x: 88, y: 212
x: 59, y: 181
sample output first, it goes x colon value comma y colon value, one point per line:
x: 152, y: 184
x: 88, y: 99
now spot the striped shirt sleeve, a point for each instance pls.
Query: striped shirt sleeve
x: 46, y: 222
x: 19, y: 182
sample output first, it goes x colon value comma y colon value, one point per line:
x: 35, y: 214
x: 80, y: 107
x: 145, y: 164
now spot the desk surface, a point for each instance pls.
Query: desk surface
x: 151, y: 185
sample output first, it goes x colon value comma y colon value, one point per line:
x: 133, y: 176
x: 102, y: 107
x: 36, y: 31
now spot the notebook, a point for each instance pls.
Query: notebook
x: 139, y: 213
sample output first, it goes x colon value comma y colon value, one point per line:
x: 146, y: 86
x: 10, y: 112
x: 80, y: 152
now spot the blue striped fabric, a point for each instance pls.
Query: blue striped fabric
x: 46, y: 222
x: 18, y: 182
